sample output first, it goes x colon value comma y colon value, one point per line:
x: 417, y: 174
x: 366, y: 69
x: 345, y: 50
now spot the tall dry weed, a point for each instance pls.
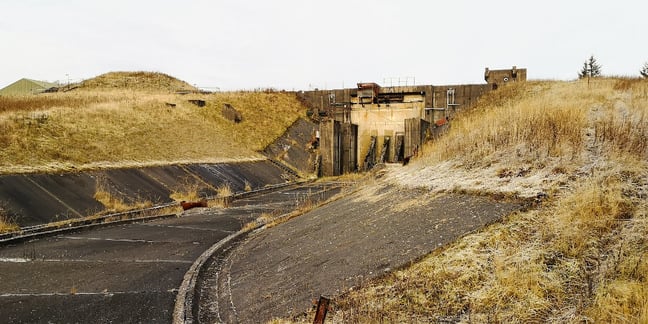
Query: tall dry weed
x: 622, y: 301
x: 621, y: 293
x: 112, y: 202
x: 6, y: 223
x: 624, y: 129
x: 529, y: 127
x: 583, y: 218
x: 190, y: 191
x: 41, y: 102
x: 224, y: 190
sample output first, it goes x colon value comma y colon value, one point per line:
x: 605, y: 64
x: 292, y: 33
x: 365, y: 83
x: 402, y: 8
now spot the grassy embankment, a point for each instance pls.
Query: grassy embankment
x: 581, y: 255
x: 122, y: 119
x: 128, y: 119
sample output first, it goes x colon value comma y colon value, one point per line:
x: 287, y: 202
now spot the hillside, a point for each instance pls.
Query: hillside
x: 149, y: 81
x: 133, y: 119
x: 578, y: 254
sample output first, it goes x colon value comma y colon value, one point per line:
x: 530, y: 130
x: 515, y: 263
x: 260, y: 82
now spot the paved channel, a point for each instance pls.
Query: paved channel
x: 126, y: 273
x: 280, y: 272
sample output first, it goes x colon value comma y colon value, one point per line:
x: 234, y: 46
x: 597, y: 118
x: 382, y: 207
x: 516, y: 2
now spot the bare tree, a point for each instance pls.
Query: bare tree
x: 591, y: 69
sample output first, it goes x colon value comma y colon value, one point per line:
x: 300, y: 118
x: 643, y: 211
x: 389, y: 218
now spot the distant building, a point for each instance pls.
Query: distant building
x: 26, y: 87
x: 498, y: 77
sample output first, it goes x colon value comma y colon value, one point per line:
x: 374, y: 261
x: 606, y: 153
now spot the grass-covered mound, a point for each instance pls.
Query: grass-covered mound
x: 132, y: 119
x: 149, y: 81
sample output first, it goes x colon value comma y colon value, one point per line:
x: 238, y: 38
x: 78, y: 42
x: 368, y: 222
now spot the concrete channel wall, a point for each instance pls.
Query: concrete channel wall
x: 294, y: 147
x: 435, y: 96
x: 34, y: 199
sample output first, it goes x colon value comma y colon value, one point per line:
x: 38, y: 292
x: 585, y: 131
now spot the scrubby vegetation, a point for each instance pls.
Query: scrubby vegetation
x: 113, y: 203
x: 580, y: 255
x: 133, y: 119
x: 6, y: 224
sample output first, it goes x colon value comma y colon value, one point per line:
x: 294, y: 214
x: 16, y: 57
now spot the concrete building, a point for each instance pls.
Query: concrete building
x: 27, y: 87
x: 371, y: 124
x: 498, y: 77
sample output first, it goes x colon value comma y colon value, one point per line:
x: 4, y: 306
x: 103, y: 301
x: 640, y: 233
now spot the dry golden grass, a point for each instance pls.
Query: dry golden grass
x: 224, y: 190
x: 526, y: 127
x: 224, y: 196
x: 114, y: 204
x: 6, y: 225
x: 91, y: 128
x: 579, y: 257
x: 139, y: 80
x: 36, y: 103
x: 189, y: 191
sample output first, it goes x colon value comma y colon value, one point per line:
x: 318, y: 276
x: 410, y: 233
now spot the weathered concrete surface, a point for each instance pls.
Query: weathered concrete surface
x: 33, y: 199
x: 126, y: 273
x: 292, y: 147
x: 133, y: 185
x: 27, y: 204
x: 280, y: 271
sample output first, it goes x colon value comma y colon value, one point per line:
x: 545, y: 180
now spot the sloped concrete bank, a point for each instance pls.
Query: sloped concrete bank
x: 34, y: 199
x: 294, y: 146
x: 278, y: 273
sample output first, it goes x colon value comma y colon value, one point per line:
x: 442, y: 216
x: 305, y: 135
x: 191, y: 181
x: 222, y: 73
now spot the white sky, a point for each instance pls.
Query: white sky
x: 302, y: 44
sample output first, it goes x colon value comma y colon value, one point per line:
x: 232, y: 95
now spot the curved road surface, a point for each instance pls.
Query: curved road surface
x: 281, y: 271
x: 126, y: 273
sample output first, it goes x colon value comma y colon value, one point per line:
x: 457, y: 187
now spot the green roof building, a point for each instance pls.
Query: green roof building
x: 26, y: 87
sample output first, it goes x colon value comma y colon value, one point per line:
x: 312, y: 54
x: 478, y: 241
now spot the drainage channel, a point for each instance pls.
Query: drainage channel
x: 122, y: 217
x: 128, y: 272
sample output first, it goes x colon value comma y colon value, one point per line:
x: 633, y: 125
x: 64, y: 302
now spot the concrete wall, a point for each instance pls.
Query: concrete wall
x: 320, y: 102
x: 330, y: 148
x: 293, y: 149
x: 33, y: 199
x: 466, y: 95
x: 349, y: 140
x: 415, y: 130
x: 338, y: 148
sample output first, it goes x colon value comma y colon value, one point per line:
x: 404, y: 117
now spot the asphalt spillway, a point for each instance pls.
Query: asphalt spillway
x: 127, y: 273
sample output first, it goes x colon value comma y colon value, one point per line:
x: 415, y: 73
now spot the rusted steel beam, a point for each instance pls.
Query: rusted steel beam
x: 322, y: 309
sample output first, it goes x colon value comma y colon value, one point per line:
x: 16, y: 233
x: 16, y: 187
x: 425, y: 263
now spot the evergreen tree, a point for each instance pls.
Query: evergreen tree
x: 584, y: 72
x: 590, y: 68
x: 644, y: 71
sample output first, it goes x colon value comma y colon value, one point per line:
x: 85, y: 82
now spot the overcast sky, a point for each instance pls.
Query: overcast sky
x: 303, y: 44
